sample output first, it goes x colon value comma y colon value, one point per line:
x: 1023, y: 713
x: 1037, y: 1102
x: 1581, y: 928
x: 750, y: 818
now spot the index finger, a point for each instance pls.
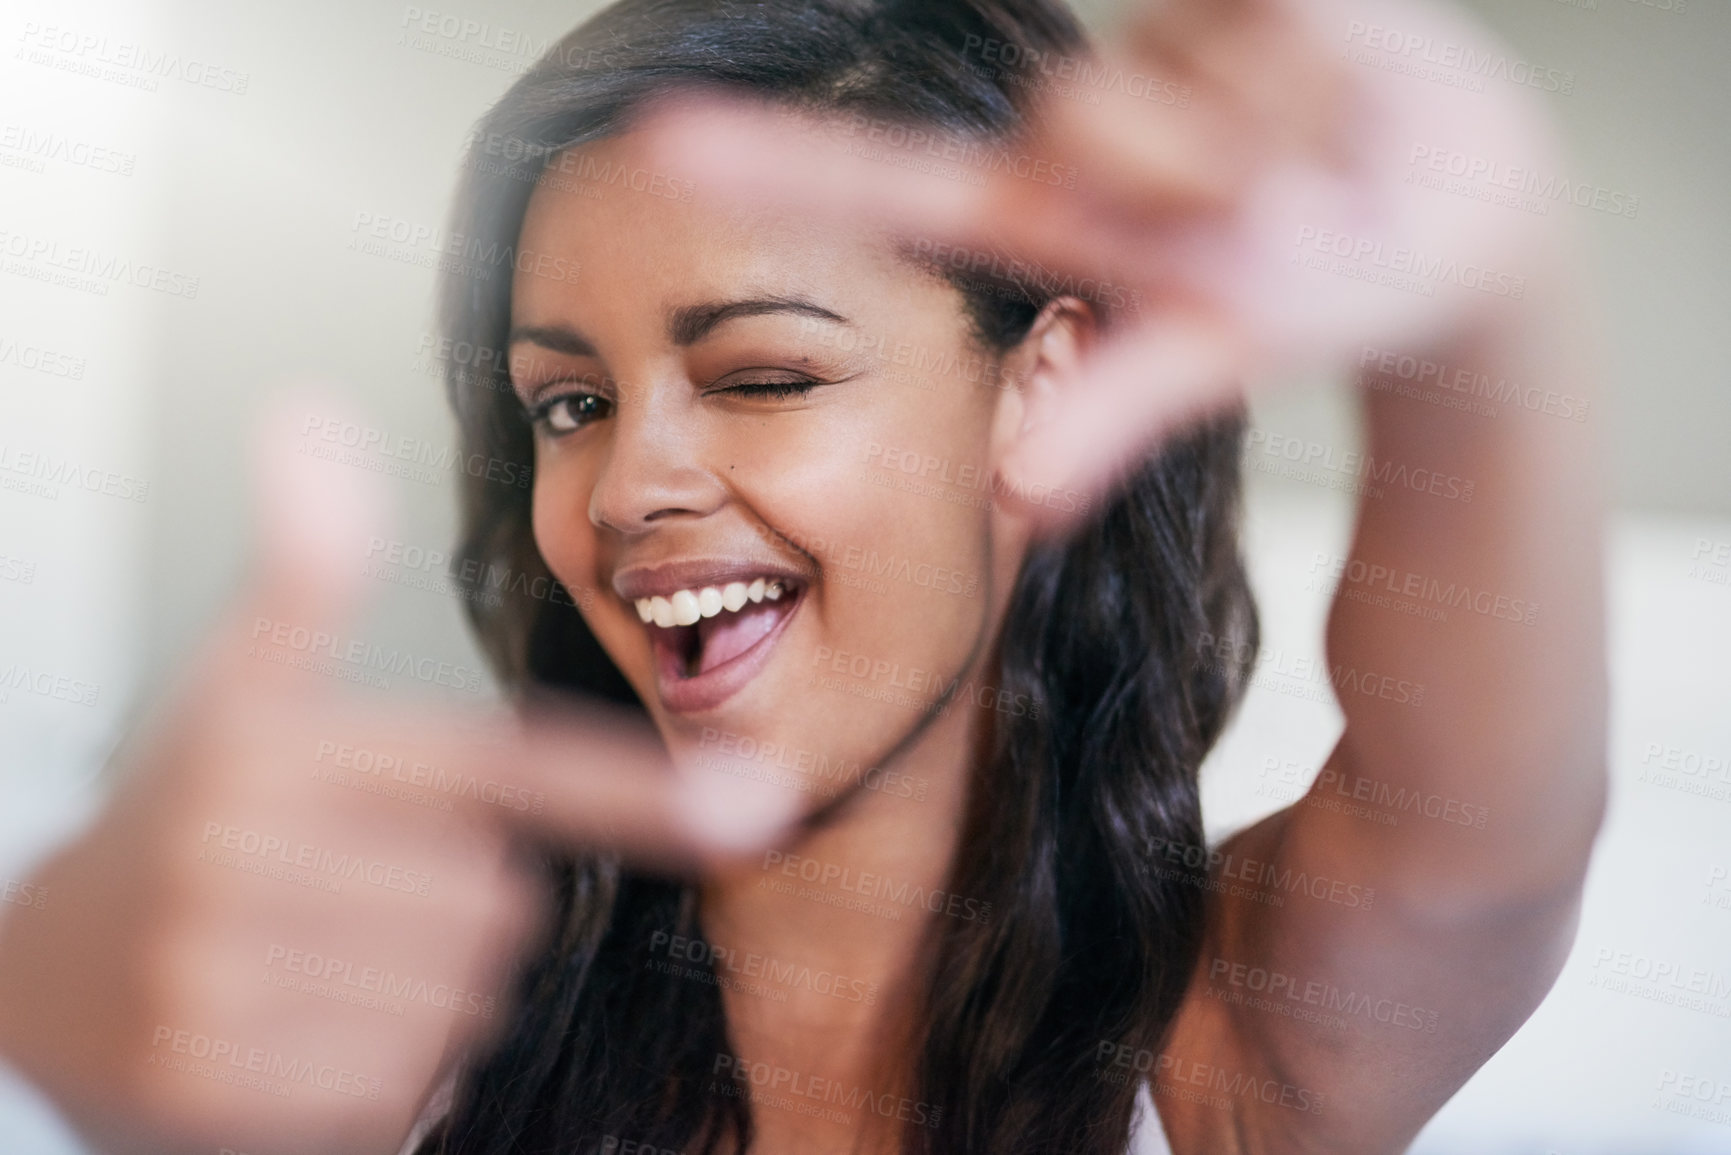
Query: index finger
x: 1045, y: 193
x: 580, y: 775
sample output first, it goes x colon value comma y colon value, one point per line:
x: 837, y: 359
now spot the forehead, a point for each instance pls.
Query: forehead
x: 619, y: 231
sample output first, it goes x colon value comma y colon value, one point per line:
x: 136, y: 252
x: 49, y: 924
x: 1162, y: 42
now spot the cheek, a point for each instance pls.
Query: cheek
x: 572, y: 550
x: 561, y: 523
x: 905, y: 558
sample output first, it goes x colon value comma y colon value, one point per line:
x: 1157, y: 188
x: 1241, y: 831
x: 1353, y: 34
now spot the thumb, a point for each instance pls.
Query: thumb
x: 314, y: 516
x: 1135, y: 390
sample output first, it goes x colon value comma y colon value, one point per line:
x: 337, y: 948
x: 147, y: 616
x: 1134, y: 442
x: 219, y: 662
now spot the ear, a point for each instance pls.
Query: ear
x: 1037, y: 376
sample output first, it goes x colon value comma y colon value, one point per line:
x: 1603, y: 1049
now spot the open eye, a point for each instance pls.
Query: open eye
x: 569, y: 412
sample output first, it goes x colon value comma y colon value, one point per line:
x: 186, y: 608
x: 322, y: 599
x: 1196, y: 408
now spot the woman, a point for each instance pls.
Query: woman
x: 699, y: 405
x: 797, y: 461
x: 715, y: 403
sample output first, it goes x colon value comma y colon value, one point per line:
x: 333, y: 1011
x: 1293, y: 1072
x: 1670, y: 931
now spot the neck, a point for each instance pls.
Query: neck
x: 820, y: 946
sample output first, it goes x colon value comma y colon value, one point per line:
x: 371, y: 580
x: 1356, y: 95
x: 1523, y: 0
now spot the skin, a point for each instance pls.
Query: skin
x: 669, y: 461
x: 1198, y: 212
x: 1469, y: 923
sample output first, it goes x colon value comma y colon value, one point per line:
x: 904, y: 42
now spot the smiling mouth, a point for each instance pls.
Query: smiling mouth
x: 696, y: 632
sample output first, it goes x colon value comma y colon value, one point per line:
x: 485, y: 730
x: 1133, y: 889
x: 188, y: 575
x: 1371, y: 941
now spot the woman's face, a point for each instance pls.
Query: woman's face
x: 775, y: 441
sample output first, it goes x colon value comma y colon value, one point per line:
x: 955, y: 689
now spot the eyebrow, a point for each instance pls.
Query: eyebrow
x: 691, y: 324
x: 685, y: 326
x: 558, y: 338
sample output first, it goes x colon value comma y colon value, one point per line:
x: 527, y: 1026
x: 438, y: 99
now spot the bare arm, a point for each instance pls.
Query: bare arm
x: 1494, y: 776
x: 1456, y: 927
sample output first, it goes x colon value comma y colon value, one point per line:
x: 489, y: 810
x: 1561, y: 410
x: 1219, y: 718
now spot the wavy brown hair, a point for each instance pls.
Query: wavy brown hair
x: 1104, y: 634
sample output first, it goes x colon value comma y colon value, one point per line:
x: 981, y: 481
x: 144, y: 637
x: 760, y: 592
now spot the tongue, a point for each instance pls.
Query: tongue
x: 726, y: 636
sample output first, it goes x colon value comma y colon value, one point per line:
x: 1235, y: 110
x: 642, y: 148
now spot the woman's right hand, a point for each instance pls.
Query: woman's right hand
x: 248, y: 952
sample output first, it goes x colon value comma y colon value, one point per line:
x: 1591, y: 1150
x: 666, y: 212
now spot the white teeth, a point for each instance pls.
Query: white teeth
x: 687, y: 607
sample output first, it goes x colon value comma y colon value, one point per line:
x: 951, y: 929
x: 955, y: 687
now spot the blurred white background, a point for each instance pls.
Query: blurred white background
x: 180, y: 186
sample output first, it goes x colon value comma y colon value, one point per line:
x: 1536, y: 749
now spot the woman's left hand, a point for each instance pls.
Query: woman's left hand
x: 1264, y: 199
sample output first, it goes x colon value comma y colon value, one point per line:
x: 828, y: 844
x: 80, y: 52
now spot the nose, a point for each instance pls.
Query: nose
x: 653, y: 468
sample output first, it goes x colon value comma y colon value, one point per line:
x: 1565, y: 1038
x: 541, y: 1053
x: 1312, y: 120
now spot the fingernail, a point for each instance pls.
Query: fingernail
x: 316, y: 514
x: 734, y: 813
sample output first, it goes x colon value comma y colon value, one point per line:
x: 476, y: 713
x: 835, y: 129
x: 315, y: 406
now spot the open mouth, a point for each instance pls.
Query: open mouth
x: 702, y: 633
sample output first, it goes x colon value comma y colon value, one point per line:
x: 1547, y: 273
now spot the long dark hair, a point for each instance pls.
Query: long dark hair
x: 1106, y: 635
